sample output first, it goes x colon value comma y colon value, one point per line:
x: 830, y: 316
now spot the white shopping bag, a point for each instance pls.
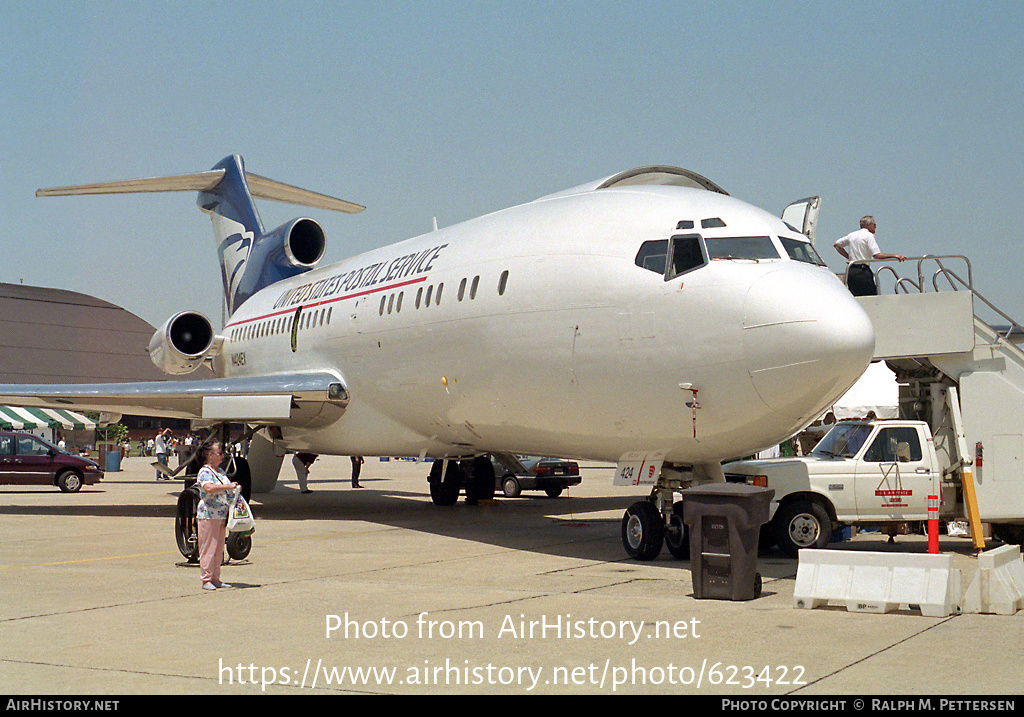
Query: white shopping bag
x: 240, y: 518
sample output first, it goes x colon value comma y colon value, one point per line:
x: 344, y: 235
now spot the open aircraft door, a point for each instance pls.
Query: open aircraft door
x: 802, y: 215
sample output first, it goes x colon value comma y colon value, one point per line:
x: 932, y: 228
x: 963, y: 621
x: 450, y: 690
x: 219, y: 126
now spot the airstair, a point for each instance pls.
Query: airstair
x: 959, y: 373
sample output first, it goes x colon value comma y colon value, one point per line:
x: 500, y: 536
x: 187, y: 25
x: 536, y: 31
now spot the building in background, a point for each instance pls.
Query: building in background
x: 58, y: 336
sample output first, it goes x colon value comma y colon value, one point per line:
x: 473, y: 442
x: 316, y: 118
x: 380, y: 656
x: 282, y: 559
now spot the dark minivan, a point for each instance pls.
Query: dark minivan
x: 26, y: 459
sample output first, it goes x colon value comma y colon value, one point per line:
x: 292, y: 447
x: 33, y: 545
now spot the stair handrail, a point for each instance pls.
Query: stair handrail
x: 945, y: 272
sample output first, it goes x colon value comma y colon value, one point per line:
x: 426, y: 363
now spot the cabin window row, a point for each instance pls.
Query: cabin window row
x: 283, y: 325
x: 426, y: 297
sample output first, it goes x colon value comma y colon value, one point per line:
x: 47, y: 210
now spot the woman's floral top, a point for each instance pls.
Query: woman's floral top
x: 213, y: 506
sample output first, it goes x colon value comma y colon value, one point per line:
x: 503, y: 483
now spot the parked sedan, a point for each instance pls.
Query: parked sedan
x: 551, y: 475
x: 26, y: 459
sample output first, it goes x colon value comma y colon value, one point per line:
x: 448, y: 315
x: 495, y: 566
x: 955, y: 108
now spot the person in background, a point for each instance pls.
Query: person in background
x: 301, y: 462
x: 162, y: 445
x: 357, y: 465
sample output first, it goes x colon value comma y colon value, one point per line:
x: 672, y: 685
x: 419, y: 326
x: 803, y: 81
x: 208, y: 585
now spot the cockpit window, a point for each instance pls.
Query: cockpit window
x: 801, y: 251
x: 686, y: 255
x: 652, y: 255
x: 741, y: 248
x: 712, y: 223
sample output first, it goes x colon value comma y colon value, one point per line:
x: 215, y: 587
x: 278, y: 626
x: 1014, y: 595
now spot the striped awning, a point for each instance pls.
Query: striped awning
x: 17, y: 418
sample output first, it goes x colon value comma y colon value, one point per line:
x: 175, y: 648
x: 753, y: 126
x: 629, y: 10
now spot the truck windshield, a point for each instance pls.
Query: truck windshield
x: 844, y: 440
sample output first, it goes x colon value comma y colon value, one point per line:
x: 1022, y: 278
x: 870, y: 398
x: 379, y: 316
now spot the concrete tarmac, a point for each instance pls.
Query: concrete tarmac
x: 377, y: 591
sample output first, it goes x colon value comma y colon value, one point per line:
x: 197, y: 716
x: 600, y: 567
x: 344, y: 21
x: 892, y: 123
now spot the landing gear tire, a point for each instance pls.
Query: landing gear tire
x: 801, y: 524
x: 480, y: 479
x: 239, y: 545
x: 643, y: 531
x: 239, y: 472
x: 677, y: 534
x: 444, y: 490
x: 186, y: 533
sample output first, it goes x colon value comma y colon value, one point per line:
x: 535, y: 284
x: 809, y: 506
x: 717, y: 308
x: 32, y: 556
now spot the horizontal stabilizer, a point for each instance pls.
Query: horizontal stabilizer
x: 279, y: 192
x: 205, y: 182
x: 199, y: 182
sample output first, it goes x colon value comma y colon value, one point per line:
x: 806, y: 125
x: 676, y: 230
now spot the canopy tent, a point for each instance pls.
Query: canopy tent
x: 16, y: 418
x: 876, y: 391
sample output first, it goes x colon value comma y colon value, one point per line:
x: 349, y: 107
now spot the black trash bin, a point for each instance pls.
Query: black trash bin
x: 724, y: 520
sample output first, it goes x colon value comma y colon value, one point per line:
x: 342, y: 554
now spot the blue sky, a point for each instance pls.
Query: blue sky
x: 908, y: 111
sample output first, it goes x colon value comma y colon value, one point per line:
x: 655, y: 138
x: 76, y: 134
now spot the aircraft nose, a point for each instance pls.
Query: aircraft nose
x: 805, y: 338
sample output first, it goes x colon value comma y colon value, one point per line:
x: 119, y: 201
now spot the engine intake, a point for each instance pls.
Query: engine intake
x: 182, y: 344
x: 305, y: 242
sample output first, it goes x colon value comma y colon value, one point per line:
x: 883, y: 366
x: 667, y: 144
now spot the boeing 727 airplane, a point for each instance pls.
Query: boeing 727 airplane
x: 649, y: 320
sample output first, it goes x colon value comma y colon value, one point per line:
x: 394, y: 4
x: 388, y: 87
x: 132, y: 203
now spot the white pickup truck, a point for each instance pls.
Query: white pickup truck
x: 861, y: 473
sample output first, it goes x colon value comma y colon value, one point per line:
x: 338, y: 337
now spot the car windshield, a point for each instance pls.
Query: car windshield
x: 844, y: 440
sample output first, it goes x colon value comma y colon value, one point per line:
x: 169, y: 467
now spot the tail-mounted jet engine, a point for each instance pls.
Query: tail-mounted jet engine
x: 182, y: 344
x: 292, y: 249
x: 299, y: 243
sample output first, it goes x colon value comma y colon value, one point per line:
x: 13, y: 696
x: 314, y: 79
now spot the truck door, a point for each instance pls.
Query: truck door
x: 894, y: 476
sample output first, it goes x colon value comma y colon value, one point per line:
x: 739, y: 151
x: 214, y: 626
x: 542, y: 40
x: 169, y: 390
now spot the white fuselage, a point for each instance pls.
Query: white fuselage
x: 533, y: 330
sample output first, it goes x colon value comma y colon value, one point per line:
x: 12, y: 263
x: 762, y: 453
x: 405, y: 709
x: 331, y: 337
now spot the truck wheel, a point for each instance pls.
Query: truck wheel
x: 643, y: 531
x: 765, y: 539
x: 1009, y: 534
x: 801, y: 524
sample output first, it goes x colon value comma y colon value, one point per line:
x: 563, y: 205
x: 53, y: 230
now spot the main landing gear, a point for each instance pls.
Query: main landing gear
x: 447, y: 477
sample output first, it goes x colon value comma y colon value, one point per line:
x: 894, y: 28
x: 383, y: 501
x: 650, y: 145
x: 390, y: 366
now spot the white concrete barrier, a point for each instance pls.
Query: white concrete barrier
x: 878, y: 582
x: 998, y: 586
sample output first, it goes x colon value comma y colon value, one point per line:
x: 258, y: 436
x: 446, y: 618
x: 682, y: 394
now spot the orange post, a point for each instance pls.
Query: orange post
x: 933, y: 524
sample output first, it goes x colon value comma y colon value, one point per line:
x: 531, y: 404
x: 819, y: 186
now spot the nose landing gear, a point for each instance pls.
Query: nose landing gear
x: 649, y: 524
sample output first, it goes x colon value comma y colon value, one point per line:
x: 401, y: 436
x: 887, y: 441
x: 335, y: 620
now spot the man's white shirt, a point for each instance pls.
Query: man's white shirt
x: 860, y: 245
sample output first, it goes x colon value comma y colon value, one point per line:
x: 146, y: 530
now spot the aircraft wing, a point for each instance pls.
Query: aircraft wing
x: 283, y: 399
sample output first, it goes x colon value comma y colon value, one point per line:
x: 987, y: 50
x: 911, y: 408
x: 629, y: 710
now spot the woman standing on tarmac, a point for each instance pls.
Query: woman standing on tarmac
x: 212, y: 514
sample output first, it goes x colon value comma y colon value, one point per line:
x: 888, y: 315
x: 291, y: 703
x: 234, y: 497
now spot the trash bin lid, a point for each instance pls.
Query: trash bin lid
x: 748, y: 504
